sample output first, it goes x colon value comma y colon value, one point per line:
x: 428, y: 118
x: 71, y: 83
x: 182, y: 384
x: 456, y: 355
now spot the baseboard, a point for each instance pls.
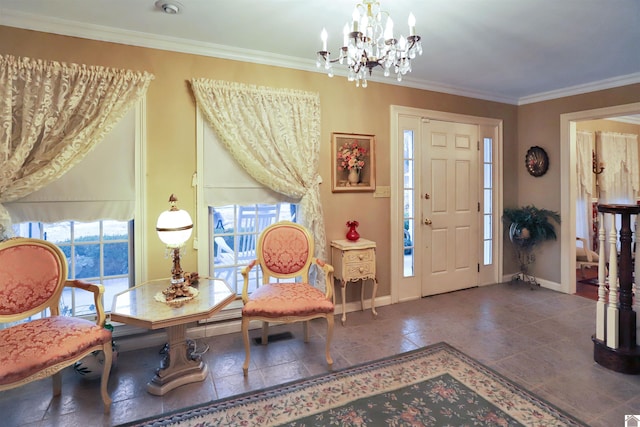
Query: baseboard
x: 543, y: 283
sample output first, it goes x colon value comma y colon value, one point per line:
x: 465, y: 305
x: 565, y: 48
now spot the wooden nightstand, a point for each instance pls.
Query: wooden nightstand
x: 354, y: 261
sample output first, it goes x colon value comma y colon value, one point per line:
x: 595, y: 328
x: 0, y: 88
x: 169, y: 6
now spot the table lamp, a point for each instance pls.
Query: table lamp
x: 174, y: 228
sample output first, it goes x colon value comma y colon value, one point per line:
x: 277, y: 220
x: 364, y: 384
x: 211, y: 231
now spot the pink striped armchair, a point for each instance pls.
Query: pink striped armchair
x: 33, y: 274
x: 285, y: 251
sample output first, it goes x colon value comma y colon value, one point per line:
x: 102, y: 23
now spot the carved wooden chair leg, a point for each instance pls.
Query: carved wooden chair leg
x: 329, y: 336
x: 107, y: 349
x: 247, y: 348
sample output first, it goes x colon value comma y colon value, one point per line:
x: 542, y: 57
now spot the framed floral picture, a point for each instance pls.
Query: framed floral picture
x: 353, y: 159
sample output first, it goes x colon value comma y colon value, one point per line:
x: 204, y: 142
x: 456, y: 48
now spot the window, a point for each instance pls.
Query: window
x: 235, y: 230
x: 238, y: 208
x: 409, y: 197
x: 487, y: 213
x: 103, y: 185
x: 97, y: 252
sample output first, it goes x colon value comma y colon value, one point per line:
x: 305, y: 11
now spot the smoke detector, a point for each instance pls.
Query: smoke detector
x: 169, y: 7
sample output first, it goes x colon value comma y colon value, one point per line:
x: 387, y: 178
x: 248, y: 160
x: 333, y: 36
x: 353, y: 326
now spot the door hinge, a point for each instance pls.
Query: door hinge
x: 478, y: 145
x: 478, y: 206
x: 478, y: 267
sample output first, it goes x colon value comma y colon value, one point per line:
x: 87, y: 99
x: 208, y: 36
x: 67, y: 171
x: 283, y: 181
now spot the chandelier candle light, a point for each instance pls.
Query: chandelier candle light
x: 368, y: 44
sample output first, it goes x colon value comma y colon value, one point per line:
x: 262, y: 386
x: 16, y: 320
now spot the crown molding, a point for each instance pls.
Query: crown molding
x: 135, y: 38
x: 584, y: 88
x: 174, y: 44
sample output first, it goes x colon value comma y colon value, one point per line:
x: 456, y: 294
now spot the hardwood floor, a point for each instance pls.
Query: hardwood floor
x: 587, y: 290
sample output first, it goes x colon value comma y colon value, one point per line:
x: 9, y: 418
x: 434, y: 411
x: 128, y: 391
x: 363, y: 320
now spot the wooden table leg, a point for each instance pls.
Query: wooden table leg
x: 180, y: 366
x: 373, y: 297
x: 344, y: 296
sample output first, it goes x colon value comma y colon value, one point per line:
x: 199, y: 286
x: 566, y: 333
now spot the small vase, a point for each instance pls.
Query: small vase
x: 352, y: 234
x: 353, y: 177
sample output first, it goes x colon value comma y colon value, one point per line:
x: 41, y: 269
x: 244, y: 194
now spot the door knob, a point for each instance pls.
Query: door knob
x: 427, y: 221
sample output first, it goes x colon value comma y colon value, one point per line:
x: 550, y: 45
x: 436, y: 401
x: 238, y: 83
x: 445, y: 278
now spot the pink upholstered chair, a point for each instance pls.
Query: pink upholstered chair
x: 285, y: 251
x: 33, y: 274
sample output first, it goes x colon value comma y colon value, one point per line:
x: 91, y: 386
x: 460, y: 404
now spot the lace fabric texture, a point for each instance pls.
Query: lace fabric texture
x: 620, y: 180
x: 274, y: 135
x: 585, y: 144
x: 52, y: 114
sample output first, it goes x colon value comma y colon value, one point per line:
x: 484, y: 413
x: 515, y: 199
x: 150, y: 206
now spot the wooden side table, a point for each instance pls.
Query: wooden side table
x: 137, y: 306
x: 354, y: 261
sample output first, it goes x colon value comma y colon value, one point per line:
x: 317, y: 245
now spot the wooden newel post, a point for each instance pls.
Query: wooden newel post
x: 620, y: 353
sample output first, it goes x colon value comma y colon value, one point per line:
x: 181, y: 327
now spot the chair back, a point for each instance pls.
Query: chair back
x: 32, y: 276
x: 583, y: 253
x: 285, y: 250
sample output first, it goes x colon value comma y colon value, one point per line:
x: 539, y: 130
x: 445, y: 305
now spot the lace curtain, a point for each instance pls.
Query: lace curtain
x: 274, y: 135
x: 620, y: 180
x: 51, y: 115
x: 585, y: 144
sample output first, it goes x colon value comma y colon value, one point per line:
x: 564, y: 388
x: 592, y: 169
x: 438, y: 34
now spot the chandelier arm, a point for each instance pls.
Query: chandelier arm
x: 413, y: 40
x: 325, y: 54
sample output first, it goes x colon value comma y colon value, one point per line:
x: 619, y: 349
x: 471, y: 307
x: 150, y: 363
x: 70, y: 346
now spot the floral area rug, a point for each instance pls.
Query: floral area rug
x: 432, y: 386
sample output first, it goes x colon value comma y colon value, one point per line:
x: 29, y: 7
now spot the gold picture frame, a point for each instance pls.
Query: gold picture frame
x: 349, y: 149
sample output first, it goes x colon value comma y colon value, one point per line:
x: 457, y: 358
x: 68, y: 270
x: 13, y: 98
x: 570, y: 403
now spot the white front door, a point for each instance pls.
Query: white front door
x: 449, y: 222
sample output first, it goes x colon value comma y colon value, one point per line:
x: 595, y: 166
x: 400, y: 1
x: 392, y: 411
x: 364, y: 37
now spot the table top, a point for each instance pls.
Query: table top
x: 138, y: 306
x: 345, y: 244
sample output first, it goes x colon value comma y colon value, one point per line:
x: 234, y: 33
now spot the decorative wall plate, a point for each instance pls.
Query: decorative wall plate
x: 536, y: 161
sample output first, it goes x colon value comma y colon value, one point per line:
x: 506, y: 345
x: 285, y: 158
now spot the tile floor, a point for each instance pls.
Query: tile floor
x: 537, y: 338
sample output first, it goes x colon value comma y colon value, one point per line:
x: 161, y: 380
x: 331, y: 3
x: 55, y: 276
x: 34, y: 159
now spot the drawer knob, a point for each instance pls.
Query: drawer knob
x: 360, y: 256
x: 361, y: 269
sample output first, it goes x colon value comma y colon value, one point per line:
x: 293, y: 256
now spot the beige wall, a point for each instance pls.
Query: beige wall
x: 539, y: 124
x: 171, y: 131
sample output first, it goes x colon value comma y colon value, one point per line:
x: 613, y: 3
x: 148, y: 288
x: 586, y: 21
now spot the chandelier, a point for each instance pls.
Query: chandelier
x: 369, y: 42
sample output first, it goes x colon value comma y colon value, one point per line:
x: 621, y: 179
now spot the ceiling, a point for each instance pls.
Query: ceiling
x: 512, y: 51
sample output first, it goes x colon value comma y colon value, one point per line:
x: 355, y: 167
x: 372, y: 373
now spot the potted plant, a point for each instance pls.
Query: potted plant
x: 529, y: 225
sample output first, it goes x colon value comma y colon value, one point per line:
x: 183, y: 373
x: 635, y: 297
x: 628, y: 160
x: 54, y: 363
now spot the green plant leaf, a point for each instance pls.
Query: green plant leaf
x: 538, y: 222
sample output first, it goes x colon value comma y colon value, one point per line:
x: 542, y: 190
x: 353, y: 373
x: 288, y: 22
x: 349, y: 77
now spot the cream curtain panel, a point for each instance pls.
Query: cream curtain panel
x: 585, y: 144
x: 274, y: 135
x: 620, y: 181
x: 51, y: 115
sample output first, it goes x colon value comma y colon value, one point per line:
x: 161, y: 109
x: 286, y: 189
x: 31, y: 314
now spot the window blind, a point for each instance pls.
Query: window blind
x: 225, y: 182
x: 101, y: 186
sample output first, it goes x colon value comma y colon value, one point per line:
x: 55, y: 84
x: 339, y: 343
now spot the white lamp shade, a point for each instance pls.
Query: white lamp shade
x: 174, y: 227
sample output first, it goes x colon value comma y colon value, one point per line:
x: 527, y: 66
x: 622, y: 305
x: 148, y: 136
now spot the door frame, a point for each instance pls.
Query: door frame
x: 568, y: 182
x: 396, y: 204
